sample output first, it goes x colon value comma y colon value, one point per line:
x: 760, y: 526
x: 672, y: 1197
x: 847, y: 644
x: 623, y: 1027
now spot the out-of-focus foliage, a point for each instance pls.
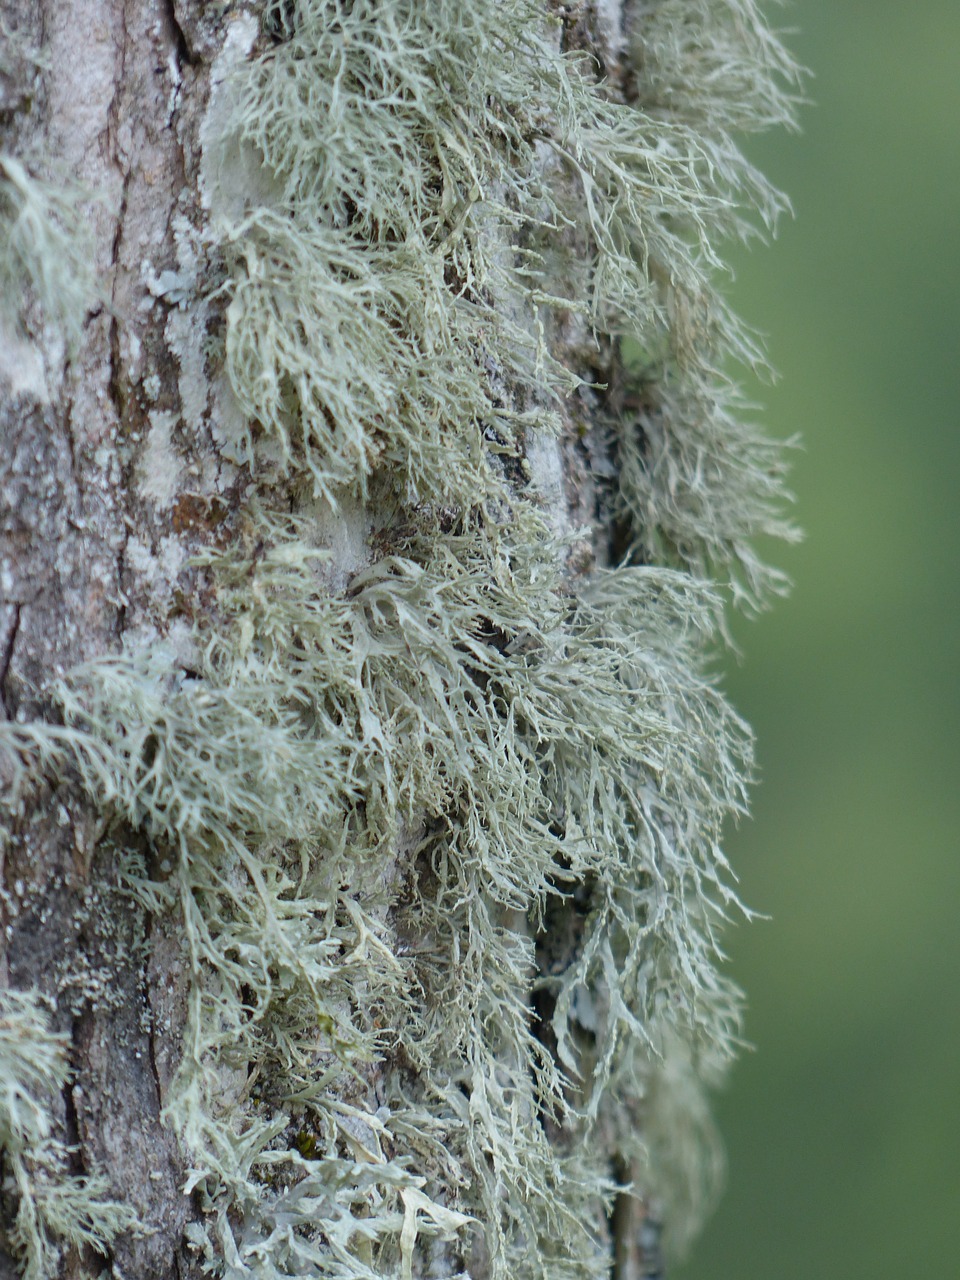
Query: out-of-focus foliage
x: 843, y: 1125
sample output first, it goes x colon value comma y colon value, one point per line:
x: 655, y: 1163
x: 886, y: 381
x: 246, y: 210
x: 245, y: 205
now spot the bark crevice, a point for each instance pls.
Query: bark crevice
x: 9, y: 627
x: 184, y: 54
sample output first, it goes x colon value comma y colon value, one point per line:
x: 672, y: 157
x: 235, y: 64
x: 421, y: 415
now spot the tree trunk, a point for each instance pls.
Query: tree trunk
x: 366, y: 468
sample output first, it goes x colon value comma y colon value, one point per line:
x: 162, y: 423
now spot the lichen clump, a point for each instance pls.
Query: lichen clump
x: 44, y: 252
x: 445, y: 844
x: 55, y: 1208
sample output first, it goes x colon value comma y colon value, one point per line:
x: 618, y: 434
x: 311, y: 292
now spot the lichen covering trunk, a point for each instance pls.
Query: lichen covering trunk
x: 371, y: 486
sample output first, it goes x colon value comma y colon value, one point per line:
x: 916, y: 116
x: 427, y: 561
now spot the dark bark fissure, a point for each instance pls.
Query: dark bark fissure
x: 118, y: 397
x: 8, y: 638
x: 152, y: 1030
x: 116, y: 384
x: 185, y: 55
x: 71, y: 1122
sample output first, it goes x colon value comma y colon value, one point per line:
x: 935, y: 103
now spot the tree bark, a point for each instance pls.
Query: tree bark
x: 133, y: 460
x: 88, y: 547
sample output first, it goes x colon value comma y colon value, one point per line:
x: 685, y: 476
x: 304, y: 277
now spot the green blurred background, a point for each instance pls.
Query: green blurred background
x: 843, y: 1127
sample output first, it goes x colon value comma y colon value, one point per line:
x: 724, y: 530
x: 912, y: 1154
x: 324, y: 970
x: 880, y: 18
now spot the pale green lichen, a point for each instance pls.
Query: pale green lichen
x: 395, y: 137
x: 445, y: 845
x: 348, y: 356
x: 535, y: 744
x: 44, y: 251
x: 375, y: 187
x: 699, y: 483
x: 53, y: 1208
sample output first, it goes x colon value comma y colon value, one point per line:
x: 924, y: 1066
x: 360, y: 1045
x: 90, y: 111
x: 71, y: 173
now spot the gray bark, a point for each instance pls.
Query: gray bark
x: 103, y: 494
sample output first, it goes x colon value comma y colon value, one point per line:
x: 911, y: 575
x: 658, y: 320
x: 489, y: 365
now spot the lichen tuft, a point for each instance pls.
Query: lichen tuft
x: 53, y: 1208
x: 44, y: 252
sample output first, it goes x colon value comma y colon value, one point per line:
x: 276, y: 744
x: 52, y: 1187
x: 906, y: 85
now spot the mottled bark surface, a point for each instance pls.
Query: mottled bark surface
x: 101, y: 493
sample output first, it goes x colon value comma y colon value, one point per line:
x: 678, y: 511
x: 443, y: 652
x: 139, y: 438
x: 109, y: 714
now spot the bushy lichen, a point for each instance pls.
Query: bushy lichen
x: 526, y: 743
x: 44, y: 251
x: 54, y: 1209
x: 445, y: 844
x: 699, y: 483
x: 395, y: 137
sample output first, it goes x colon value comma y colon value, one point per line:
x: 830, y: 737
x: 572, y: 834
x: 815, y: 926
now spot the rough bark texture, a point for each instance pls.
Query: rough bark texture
x: 115, y: 105
x: 126, y: 452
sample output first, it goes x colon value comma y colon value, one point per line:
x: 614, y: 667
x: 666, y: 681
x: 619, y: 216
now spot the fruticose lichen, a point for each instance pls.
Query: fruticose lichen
x: 44, y: 252
x: 444, y: 844
x: 55, y: 1208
